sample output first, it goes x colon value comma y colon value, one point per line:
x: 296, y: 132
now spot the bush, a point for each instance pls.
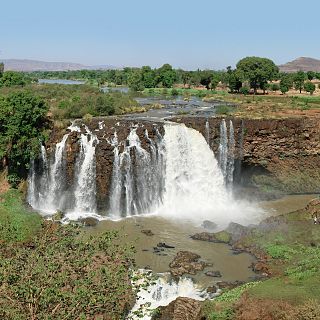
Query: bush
x: 244, y: 90
x: 275, y: 87
x: 174, y: 92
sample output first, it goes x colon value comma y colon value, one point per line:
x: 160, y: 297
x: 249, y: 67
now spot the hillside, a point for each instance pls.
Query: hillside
x: 302, y: 63
x: 35, y: 65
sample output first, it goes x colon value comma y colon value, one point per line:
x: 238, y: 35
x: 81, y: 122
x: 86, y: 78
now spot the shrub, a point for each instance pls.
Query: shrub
x: 244, y: 90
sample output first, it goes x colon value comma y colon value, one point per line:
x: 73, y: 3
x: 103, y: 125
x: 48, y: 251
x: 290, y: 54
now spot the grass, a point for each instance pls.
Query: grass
x: 293, y: 262
x: 17, y: 223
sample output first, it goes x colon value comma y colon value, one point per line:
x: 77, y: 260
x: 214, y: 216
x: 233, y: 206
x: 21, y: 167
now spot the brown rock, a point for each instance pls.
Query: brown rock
x: 180, y: 309
x: 89, y: 221
x: 148, y: 233
x: 186, y: 262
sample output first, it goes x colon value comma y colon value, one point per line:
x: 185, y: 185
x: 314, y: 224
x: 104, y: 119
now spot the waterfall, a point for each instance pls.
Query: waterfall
x: 223, y: 148
x: 53, y: 197
x: 134, y: 188
x: 85, y: 190
x: 175, y: 175
x: 230, y: 160
x: 194, y: 184
x: 116, y: 182
x: 226, y: 151
x: 208, y: 132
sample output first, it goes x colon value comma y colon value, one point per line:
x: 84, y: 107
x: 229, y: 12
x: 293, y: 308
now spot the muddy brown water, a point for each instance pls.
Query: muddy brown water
x: 177, y: 234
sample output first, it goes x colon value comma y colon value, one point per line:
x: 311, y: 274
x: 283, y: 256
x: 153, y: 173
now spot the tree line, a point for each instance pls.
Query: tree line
x: 251, y: 74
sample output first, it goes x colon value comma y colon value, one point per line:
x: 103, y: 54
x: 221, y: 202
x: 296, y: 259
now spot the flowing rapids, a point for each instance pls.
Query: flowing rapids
x: 161, y: 292
x: 176, y: 176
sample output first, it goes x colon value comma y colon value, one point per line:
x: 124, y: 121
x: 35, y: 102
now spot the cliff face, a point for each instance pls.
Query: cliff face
x: 281, y: 154
x: 277, y: 156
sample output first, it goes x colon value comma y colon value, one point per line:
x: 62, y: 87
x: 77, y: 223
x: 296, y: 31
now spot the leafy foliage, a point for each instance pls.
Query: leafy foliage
x: 309, y: 87
x: 22, y: 121
x: 13, y: 78
x: 63, y: 275
x: 257, y: 71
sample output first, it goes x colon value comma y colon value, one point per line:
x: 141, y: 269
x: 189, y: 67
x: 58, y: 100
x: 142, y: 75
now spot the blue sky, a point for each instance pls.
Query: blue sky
x: 187, y: 34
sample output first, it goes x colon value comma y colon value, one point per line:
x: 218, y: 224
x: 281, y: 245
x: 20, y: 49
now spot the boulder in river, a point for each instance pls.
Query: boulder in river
x: 89, y: 221
x: 215, y: 274
x: 58, y: 216
x: 209, y: 225
x: 164, y: 245
x: 186, y: 262
x: 148, y: 233
x: 179, y: 309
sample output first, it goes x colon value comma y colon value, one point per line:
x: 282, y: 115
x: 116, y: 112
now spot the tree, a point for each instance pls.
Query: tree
x: 166, y: 75
x: 311, y: 75
x: 135, y: 80
x: 232, y: 80
x: 309, y: 87
x: 22, y: 121
x: 205, y: 78
x: 12, y: 78
x: 215, y: 79
x: 257, y: 71
x: 148, y: 77
x: 298, y: 80
x: 274, y: 87
x: 1, y: 69
x: 285, y: 83
x: 186, y: 78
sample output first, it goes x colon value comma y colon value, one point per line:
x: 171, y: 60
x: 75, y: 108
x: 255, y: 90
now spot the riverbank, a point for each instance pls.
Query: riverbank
x: 287, y: 249
x: 52, y: 270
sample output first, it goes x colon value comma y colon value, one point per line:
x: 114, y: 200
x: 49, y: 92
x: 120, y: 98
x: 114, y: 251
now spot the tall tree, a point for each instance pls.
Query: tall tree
x: 22, y: 121
x: 257, y: 71
x: 1, y: 69
x: 148, y: 77
x: 135, y: 80
x: 309, y: 87
x: 298, y: 80
x: 166, y: 75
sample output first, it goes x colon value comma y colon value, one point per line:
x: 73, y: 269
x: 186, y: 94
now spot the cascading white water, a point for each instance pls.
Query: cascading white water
x: 85, y: 190
x: 226, y: 151
x: 175, y: 175
x: 161, y: 293
x: 194, y: 185
x: 53, y: 197
x: 208, y: 132
x: 116, y: 183
x: 223, y: 148
x: 230, y: 160
x: 134, y: 188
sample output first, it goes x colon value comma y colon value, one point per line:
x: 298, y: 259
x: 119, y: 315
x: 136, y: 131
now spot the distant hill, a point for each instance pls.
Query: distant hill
x: 34, y: 65
x: 303, y: 63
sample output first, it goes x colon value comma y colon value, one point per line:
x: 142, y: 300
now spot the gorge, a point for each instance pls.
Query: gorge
x: 170, y: 176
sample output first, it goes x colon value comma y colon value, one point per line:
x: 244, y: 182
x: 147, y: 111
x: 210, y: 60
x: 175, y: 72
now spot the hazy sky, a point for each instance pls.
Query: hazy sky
x: 187, y: 34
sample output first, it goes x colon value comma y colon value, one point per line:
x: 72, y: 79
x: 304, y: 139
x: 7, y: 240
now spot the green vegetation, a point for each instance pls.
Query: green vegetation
x: 298, y: 80
x: 257, y: 71
x: 309, y: 87
x: 49, y: 271
x: 294, y: 264
x: 16, y: 222
x: 23, y: 122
